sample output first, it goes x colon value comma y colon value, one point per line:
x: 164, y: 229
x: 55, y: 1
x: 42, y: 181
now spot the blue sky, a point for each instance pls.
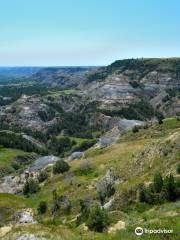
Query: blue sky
x: 87, y: 32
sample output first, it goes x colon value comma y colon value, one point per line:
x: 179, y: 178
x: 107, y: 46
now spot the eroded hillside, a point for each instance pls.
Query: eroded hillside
x: 124, y: 167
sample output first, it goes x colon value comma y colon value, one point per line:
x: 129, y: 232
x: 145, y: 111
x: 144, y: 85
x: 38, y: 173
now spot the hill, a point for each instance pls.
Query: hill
x: 155, y: 81
x: 118, y: 86
x: 132, y: 161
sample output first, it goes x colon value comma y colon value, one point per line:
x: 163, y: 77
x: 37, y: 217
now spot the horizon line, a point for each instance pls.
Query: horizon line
x: 103, y: 65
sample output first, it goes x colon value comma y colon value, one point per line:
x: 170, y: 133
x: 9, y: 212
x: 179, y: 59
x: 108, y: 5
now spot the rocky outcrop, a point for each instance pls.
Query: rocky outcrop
x: 120, y: 126
x: 42, y: 162
x: 126, y: 81
x: 76, y: 155
x: 29, y: 112
x: 28, y: 236
x: 24, y: 216
x: 11, y: 184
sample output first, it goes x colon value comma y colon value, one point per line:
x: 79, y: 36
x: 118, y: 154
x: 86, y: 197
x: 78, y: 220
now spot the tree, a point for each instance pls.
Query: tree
x: 61, y: 145
x: 31, y: 186
x: 42, y: 208
x: 43, y: 175
x: 135, y: 129
x: 170, y: 188
x: 160, y: 117
x: 142, y: 194
x: 98, y: 219
x: 160, y: 121
x: 178, y: 169
x: 60, y: 167
x: 158, y: 182
x: 146, y: 195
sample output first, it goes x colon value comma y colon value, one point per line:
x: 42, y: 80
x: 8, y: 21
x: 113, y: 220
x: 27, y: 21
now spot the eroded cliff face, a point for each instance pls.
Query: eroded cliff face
x: 119, y: 87
x: 127, y: 81
x: 123, y: 82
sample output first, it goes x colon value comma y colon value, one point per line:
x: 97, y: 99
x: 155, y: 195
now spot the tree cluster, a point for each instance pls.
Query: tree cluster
x: 160, y: 190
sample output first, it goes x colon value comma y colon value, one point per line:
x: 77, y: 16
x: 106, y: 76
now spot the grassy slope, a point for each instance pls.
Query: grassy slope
x: 9, y: 204
x: 6, y: 158
x: 135, y: 158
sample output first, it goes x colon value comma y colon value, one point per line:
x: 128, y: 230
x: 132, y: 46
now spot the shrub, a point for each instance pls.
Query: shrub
x: 42, y: 208
x: 31, y: 186
x: 60, y: 167
x: 43, y: 175
x: 170, y: 188
x: 98, y: 219
x: 160, y: 122
x: 135, y: 129
x: 158, y: 182
x: 178, y: 169
x: 16, y: 165
x: 142, y: 194
x: 146, y: 195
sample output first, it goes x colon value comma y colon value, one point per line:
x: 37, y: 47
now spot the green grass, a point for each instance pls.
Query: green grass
x: 10, y: 203
x: 122, y: 157
x: 135, y: 159
x: 6, y: 159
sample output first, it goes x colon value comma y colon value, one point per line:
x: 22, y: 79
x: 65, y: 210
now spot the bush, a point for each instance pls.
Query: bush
x: 160, y: 117
x: 98, y: 219
x: 31, y: 186
x: 43, y: 175
x: 170, y: 188
x: 60, y: 167
x: 178, y: 169
x: 146, y: 195
x: 142, y: 194
x: 158, y: 182
x: 160, y: 190
x: 42, y: 208
x: 16, y: 165
x: 135, y: 129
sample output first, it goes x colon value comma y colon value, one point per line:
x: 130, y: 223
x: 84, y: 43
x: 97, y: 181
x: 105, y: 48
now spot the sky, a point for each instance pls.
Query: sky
x: 87, y: 32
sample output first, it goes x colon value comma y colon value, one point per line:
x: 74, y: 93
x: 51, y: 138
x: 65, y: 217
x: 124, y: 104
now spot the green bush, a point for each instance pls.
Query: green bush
x: 42, y: 208
x: 146, y: 195
x: 60, y: 167
x: 16, y: 165
x: 98, y: 219
x: 158, y: 182
x: 170, y: 188
x: 178, y: 169
x: 135, y: 129
x: 160, y: 190
x: 160, y: 122
x: 31, y: 186
x: 43, y: 175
